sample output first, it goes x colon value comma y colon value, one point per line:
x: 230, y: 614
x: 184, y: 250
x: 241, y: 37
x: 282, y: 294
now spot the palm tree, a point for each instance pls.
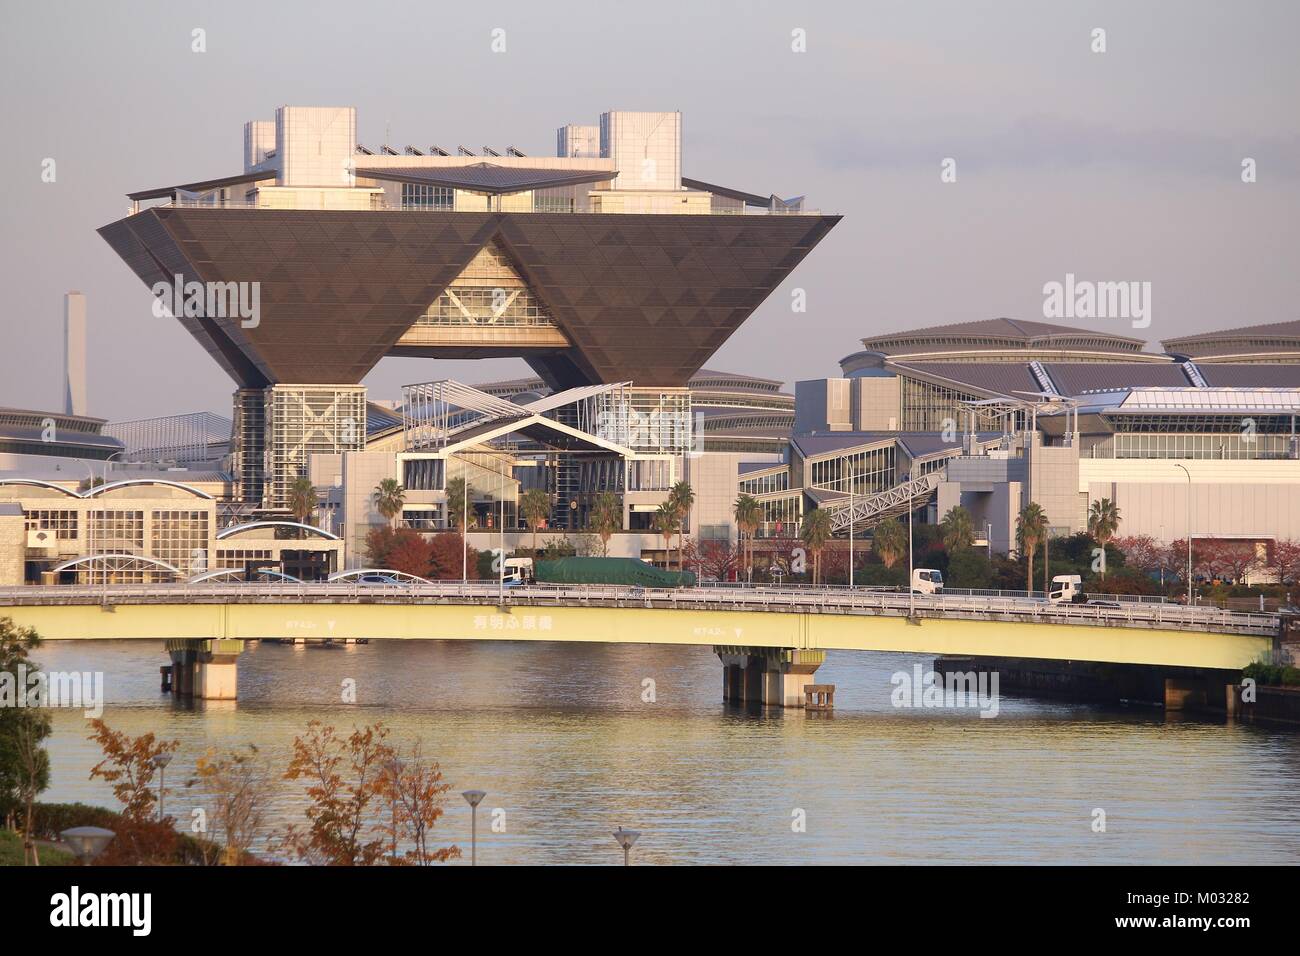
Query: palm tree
x: 535, y: 506
x: 682, y: 497
x: 665, y: 522
x: 606, y: 518
x: 389, y: 497
x: 890, y: 541
x: 302, y: 500
x: 457, y: 495
x: 958, y: 530
x: 749, y: 515
x: 1031, y: 531
x: 816, y: 531
x: 1103, y: 522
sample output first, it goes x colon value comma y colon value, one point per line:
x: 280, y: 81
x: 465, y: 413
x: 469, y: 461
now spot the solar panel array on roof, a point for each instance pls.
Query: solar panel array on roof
x: 1004, y: 378
x: 1081, y: 378
x: 1244, y: 375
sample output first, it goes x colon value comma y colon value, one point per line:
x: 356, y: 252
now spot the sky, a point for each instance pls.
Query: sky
x: 1122, y: 165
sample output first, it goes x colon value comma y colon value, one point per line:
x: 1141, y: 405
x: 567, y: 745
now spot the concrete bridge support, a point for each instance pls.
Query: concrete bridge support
x: 206, y: 669
x: 771, y: 676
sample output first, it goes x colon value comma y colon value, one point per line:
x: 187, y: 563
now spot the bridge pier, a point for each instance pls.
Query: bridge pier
x: 206, y: 669
x: 771, y: 676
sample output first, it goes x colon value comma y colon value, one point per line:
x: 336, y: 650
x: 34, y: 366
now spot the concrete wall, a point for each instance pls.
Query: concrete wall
x: 713, y: 478
x: 876, y: 403
x: 362, y: 471
x: 1054, y: 485
x: 315, y: 145
x: 13, y: 543
x: 1228, y: 498
x: 822, y: 405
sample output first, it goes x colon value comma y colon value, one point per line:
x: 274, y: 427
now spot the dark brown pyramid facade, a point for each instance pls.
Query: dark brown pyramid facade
x: 643, y: 298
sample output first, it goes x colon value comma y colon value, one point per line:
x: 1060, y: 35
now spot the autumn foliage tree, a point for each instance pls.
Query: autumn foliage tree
x: 237, y: 786
x: 415, y: 791
x: 350, y: 782
x: 712, y: 558
x: 447, y: 557
x: 129, y: 767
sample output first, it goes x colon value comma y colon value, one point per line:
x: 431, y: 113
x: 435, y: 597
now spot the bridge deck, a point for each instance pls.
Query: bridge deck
x: 801, y: 618
x: 797, y: 600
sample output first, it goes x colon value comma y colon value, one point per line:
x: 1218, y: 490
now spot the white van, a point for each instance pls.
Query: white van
x: 1066, y: 588
x: 927, y: 581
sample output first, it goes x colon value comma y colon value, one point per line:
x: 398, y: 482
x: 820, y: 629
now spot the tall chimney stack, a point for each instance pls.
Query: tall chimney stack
x: 74, y: 354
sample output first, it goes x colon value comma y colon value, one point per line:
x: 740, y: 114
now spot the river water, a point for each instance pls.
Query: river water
x: 567, y: 749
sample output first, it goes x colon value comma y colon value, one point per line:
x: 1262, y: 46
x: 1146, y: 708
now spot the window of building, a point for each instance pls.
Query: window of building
x: 415, y: 196
x: 62, y: 523
x: 120, y: 532
x: 181, y: 539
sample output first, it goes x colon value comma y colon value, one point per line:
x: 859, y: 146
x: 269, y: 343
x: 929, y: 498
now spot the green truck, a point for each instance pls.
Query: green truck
x: 627, y: 571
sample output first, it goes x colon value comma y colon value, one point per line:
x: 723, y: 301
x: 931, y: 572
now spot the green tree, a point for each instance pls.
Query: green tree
x: 682, y: 497
x: 890, y: 541
x: 389, y: 497
x: 535, y: 506
x: 664, y: 520
x: 458, y: 492
x: 606, y: 518
x: 24, y: 762
x: 749, y: 515
x: 815, y: 534
x: 957, y: 528
x: 1031, y: 532
x: 1103, y: 522
x: 968, y: 568
x: 302, y: 501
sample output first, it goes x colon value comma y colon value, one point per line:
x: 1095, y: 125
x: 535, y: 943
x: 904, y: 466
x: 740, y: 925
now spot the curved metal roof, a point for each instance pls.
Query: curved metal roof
x: 237, y: 529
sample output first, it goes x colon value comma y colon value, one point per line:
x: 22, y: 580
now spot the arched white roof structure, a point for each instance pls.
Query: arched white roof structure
x: 38, y: 483
x: 128, y: 482
x: 111, y: 486
x: 236, y: 529
x: 401, y: 576
x: 217, y: 575
x: 234, y: 576
x: 117, y: 562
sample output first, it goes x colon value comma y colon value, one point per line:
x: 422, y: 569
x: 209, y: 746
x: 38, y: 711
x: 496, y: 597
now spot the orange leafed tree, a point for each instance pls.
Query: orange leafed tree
x: 128, y: 766
x: 415, y: 791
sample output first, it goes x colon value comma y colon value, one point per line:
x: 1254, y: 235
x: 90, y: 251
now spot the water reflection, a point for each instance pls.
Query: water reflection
x: 559, y: 737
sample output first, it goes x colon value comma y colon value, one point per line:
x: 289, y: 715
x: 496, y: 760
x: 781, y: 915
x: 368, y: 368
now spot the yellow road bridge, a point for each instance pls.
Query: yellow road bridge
x: 771, y: 640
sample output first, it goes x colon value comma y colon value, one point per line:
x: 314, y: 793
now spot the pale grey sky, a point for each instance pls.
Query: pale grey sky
x: 1116, y: 166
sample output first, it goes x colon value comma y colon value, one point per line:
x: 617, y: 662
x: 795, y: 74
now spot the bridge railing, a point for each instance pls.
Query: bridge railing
x: 823, y: 599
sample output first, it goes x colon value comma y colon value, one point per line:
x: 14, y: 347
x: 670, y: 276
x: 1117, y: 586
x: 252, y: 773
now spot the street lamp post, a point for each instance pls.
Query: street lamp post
x: 161, y: 761
x: 473, y: 798
x: 911, y: 590
x: 87, y: 843
x: 394, y: 767
x: 501, y: 586
x: 850, y: 470
x: 1189, y: 530
x: 625, y: 839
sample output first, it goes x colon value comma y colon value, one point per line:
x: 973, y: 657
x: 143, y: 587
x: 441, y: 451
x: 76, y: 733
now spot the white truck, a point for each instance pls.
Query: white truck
x: 518, y: 571
x: 927, y: 581
x: 1066, y: 589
